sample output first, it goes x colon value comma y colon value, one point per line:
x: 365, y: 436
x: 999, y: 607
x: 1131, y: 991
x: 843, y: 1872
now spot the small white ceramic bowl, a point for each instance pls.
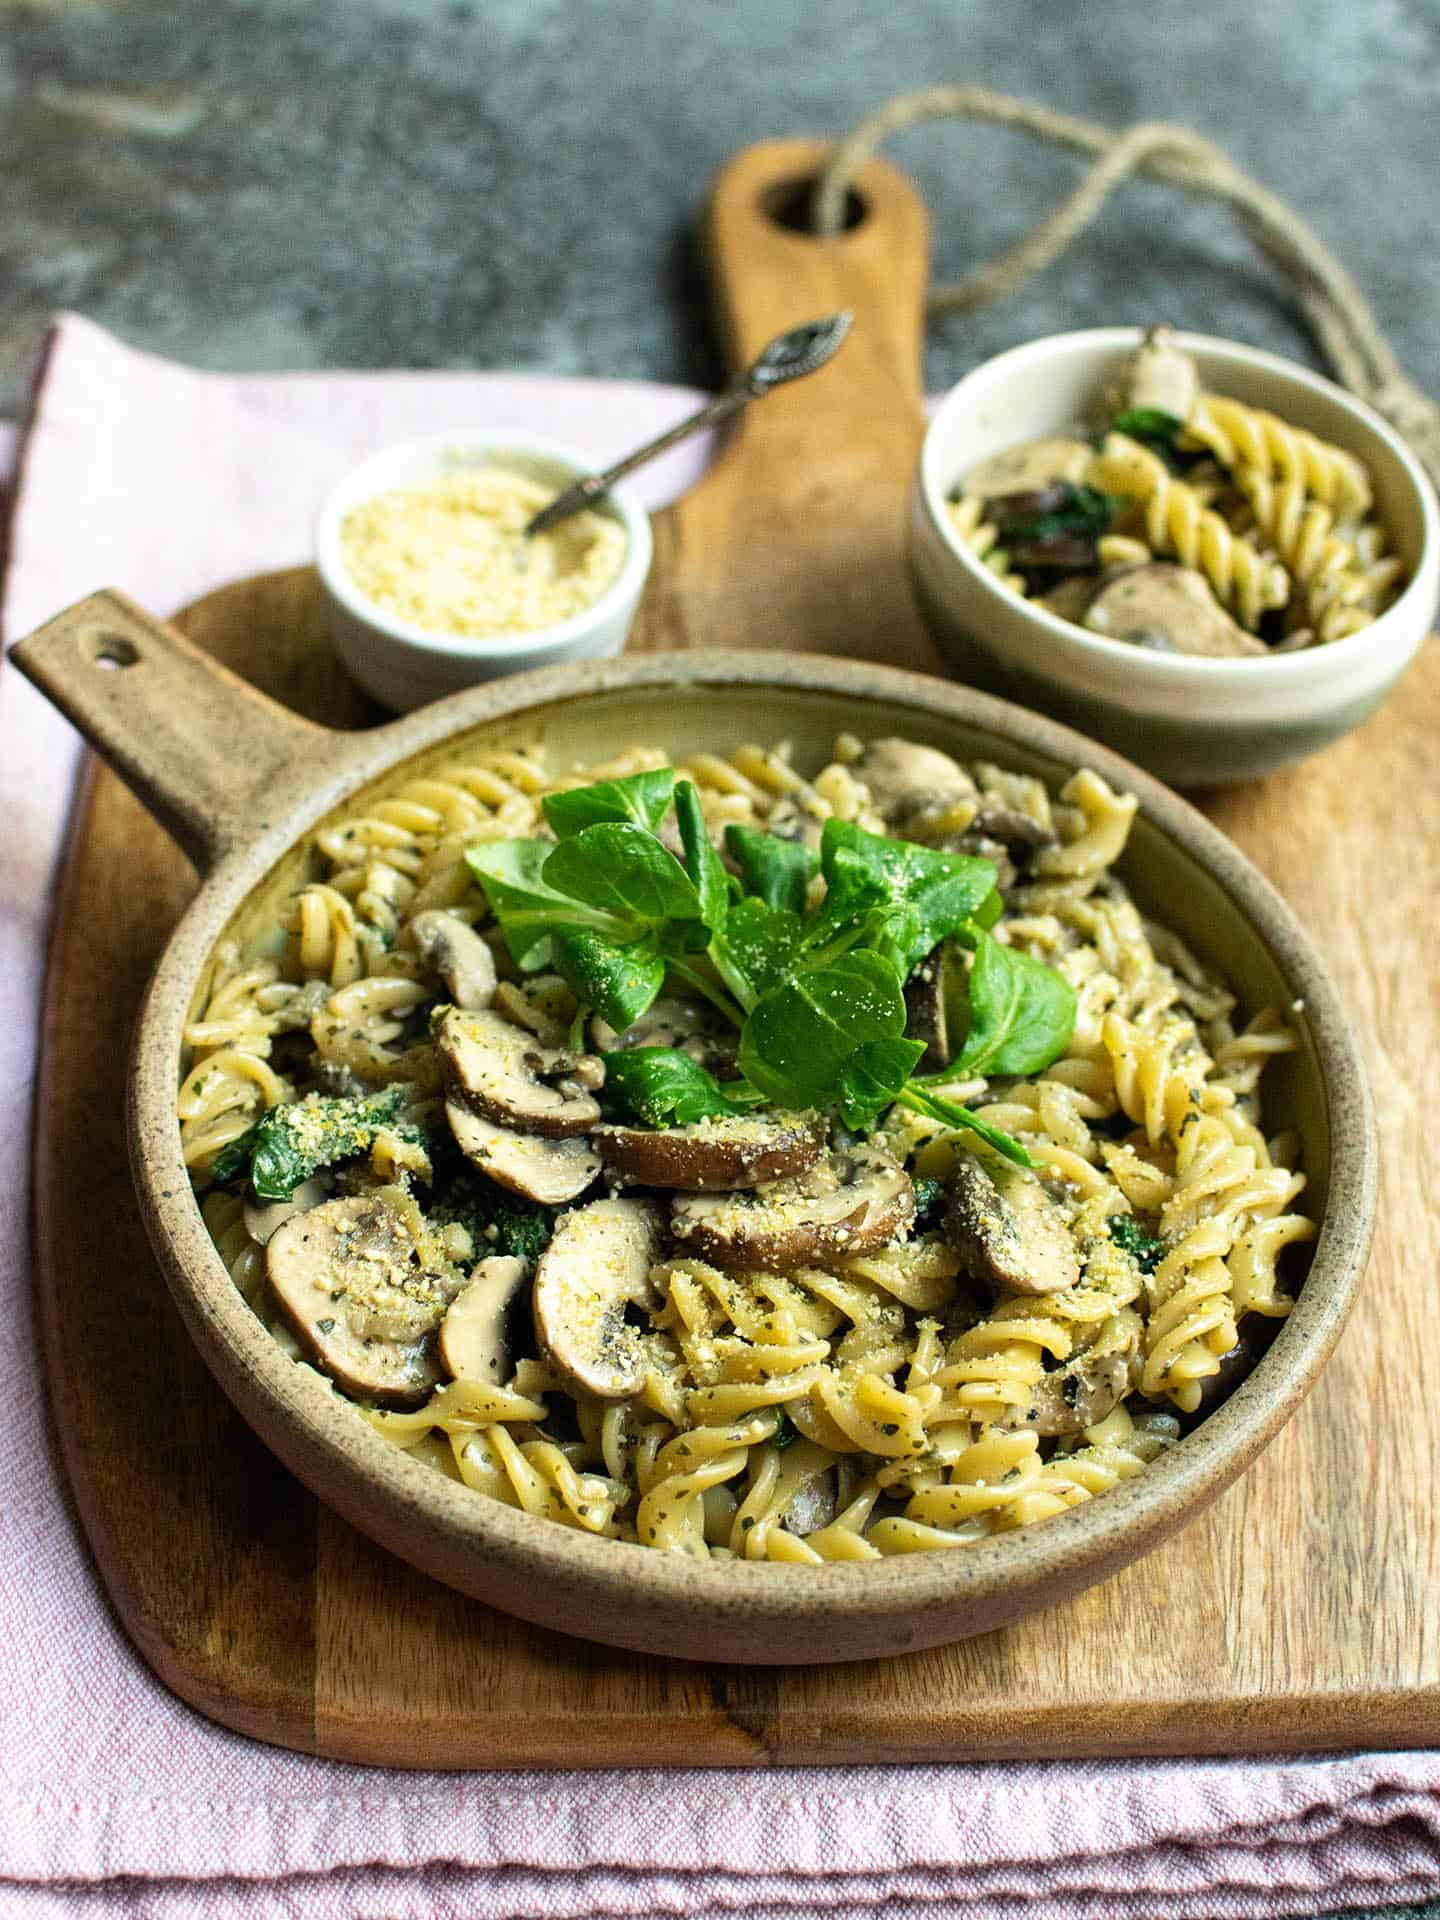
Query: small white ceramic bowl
x: 1195, y: 722
x: 405, y: 666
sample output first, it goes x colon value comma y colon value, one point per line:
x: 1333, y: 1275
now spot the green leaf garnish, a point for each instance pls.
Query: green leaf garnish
x: 623, y: 871
x: 528, y: 907
x: 1022, y: 1013
x: 818, y: 995
x: 702, y: 863
x: 776, y: 871
x: 666, y: 1088
x: 618, y: 983
x: 871, y: 1079
x: 639, y: 800
x: 803, y: 1031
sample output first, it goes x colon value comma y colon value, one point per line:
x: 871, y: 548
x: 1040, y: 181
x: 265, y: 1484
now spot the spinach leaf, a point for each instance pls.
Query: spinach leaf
x: 623, y: 871
x: 1022, y: 1013
x: 1080, y: 510
x: 639, y: 800
x: 527, y: 907
x: 618, y: 983
x: 776, y: 871
x: 666, y: 1088
x: 952, y: 1114
x: 703, y: 864
x: 1128, y: 1234
x: 290, y: 1143
x: 872, y: 1077
x: 803, y: 1031
x: 1154, y: 428
x: 496, y: 1220
x: 911, y: 896
x: 786, y: 1432
x: 756, y: 948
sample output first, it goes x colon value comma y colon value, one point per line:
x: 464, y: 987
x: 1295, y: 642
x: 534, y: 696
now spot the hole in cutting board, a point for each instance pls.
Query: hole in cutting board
x: 791, y: 205
x: 110, y: 650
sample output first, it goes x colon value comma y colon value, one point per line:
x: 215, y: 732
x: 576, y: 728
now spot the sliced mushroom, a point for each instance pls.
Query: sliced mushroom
x: 904, y: 779
x: 536, y: 1165
x: 1030, y: 466
x: 1007, y: 1229
x: 724, y: 1152
x: 1168, y: 609
x: 1078, y: 1395
x: 509, y: 1077
x: 447, y: 946
x: 934, y: 1005
x: 1069, y: 598
x: 1007, y: 838
x: 350, y: 1281
x: 853, y: 1200
x: 1162, y: 376
x: 597, y: 1264
x: 473, y: 1343
x: 263, y: 1218
x: 689, y: 1026
x: 812, y: 1506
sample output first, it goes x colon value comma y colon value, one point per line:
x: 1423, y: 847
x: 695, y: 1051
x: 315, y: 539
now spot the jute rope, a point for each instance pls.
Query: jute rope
x: 1338, y: 313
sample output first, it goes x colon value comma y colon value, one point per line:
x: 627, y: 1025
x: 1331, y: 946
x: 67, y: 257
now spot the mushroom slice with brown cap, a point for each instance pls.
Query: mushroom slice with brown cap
x: 850, y: 1202
x: 536, y: 1165
x: 473, y: 1345
x: 905, y: 778
x: 1168, y: 609
x: 509, y: 1077
x: 597, y: 1264
x: 447, y: 946
x: 1007, y: 1230
x: 711, y: 1155
x: 353, y: 1286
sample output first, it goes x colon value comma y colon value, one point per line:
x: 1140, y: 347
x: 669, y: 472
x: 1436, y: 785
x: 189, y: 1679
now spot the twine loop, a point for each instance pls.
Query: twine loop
x: 1340, y: 317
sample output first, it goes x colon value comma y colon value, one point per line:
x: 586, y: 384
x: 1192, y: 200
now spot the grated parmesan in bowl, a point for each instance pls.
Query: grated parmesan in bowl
x: 451, y: 556
x: 431, y: 584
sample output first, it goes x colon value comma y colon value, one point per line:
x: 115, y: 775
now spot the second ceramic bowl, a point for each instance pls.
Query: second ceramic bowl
x: 1195, y: 722
x: 404, y: 665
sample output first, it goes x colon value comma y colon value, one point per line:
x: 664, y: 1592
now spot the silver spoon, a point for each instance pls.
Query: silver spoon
x: 790, y: 356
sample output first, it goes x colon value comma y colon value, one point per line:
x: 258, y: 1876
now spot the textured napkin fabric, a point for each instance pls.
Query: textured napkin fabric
x: 115, y: 1799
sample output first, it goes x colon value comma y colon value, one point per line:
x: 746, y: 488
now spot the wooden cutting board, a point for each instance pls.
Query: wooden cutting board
x: 1301, y: 1611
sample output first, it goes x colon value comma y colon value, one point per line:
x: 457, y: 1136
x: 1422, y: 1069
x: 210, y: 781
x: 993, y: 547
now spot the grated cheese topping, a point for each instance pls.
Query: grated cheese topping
x: 450, y: 556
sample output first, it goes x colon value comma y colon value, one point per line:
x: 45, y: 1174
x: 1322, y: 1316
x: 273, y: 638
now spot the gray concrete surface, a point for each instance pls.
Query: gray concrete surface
x: 266, y: 183
x: 510, y: 183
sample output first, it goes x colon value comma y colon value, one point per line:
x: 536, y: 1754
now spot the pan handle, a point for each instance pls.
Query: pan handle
x: 205, y: 752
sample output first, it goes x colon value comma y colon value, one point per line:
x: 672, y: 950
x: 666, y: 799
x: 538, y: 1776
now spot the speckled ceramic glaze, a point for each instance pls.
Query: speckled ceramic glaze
x: 240, y: 782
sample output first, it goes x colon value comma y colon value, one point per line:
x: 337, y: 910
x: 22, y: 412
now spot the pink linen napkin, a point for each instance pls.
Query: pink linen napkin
x: 117, y: 1800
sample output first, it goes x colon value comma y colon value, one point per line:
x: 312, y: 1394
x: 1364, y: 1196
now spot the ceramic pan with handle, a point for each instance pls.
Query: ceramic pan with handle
x: 242, y: 783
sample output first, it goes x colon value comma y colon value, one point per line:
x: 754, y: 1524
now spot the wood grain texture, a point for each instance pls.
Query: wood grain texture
x: 1299, y: 1612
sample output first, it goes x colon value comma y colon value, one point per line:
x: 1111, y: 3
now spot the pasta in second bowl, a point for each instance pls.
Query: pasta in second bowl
x: 1244, y: 507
